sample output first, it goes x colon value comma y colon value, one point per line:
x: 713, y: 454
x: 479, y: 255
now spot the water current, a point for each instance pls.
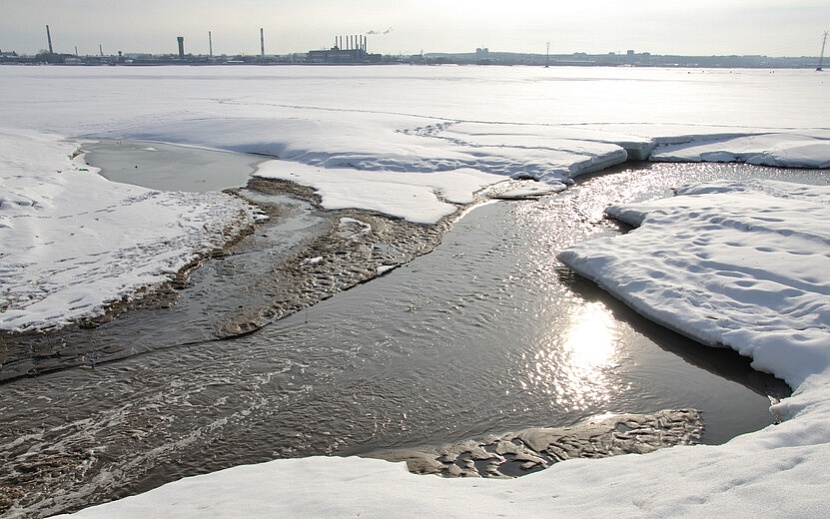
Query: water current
x: 487, y: 334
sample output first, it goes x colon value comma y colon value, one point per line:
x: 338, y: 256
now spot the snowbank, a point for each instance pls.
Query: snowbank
x: 738, y: 264
x: 680, y: 482
x: 418, y: 197
x: 73, y: 241
x: 774, y: 149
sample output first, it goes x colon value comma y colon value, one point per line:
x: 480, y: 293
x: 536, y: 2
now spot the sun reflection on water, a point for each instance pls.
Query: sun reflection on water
x: 572, y: 364
x: 590, y: 340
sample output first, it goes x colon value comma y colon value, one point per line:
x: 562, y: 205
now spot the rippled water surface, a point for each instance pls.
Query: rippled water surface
x: 489, y: 333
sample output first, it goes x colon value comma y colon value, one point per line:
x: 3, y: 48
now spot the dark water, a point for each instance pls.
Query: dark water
x: 489, y: 333
x: 162, y: 166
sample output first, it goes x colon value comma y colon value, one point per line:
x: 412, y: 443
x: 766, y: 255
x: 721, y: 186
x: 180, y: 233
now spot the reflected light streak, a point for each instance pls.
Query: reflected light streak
x: 590, y: 340
x: 571, y: 364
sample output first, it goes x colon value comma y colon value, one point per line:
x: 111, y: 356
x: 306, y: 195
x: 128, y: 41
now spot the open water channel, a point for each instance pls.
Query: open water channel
x: 486, y: 334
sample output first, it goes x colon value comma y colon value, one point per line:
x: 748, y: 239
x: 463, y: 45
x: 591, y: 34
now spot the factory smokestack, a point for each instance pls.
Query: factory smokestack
x: 49, y: 39
x: 262, y: 42
x: 210, y: 44
x: 181, y: 46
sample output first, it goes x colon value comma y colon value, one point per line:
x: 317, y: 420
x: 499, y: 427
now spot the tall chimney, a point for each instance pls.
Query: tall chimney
x: 49, y: 39
x: 101, y: 49
x: 262, y: 42
x: 210, y: 44
x: 181, y: 45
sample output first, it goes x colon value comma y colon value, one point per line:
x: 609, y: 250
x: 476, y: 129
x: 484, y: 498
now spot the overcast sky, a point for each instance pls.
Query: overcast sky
x: 703, y: 27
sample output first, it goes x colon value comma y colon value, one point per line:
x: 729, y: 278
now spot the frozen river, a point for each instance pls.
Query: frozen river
x: 487, y: 334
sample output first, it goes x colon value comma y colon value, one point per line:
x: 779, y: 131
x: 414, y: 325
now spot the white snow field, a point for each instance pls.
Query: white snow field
x: 738, y: 264
x: 73, y: 241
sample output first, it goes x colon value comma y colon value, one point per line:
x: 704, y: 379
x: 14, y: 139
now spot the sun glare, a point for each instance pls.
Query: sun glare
x: 589, y: 342
x: 571, y: 365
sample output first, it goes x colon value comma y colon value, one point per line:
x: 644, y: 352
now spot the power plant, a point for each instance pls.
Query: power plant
x: 346, y: 50
x: 353, y: 50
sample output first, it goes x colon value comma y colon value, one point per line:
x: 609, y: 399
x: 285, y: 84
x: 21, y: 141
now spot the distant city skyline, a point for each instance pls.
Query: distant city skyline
x: 703, y: 28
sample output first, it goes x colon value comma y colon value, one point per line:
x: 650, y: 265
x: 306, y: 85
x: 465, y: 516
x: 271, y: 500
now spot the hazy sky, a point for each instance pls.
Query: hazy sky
x: 703, y: 27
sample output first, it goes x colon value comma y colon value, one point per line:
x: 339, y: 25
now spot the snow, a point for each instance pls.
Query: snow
x: 741, y: 265
x: 764, y: 150
x: 418, y: 197
x: 65, y: 250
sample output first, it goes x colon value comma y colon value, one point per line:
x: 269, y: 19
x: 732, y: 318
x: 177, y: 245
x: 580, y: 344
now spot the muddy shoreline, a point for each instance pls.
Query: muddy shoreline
x: 515, y: 454
x: 344, y: 249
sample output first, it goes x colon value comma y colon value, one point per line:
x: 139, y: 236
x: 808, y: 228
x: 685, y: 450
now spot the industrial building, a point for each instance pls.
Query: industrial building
x: 346, y: 50
x: 352, y: 50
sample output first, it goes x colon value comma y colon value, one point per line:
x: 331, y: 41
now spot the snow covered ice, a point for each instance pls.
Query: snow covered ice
x: 742, y: 265
x: 73, y: 242
x: 417, y: 197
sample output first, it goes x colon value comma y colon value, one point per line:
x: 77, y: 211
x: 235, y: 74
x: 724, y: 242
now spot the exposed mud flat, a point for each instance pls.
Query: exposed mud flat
x: 352, y: 247
x: 517, y: 453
